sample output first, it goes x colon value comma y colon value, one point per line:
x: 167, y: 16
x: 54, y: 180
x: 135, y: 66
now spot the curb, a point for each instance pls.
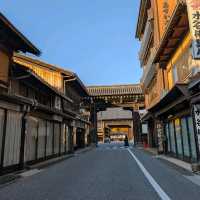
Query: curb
x: 8, y: 179
x: 12, y: 177
x: 179, y: 163
x: 50, y: 162
x: 84, y: 150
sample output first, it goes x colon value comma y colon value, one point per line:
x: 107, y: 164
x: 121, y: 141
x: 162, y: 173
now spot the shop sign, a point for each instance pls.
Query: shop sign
x: 194, y: 20
x: 160, y: 137
x: 166, y: 9
x: 197, y: 122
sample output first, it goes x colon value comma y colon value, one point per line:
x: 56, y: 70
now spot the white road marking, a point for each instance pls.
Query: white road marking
x: 151, y: 180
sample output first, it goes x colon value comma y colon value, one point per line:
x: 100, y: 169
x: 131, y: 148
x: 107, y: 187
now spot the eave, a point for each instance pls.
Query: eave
x: 176, y: 96
x: 28, y: 75
x: 141, y: 18
x: 76, y: 82
x: 20, y: 42
x: 176, y: 30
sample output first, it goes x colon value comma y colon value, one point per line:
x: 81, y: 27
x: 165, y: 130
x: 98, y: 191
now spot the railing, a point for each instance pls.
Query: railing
x: 145, y: 40
x: 149, y: 69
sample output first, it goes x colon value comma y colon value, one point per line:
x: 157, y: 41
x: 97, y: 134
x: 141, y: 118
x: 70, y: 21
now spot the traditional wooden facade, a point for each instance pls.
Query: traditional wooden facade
x: 128, y: 97
x: 115, y: 123
x: 70, y: 86
x: 40, y: 105
x: 168, y: 62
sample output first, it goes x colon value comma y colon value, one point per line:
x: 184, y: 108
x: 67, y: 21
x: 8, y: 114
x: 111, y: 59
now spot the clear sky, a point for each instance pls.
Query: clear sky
x: 94, y: 38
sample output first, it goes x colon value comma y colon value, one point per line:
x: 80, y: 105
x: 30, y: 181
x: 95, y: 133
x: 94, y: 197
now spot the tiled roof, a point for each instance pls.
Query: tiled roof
x: 114, y: 113
x: 115, y: 90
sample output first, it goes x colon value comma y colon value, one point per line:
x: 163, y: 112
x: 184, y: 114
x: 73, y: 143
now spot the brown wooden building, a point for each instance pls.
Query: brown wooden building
x: 115, y: 123
x: 129, y: 97
x: 40, y: 115
x: 169, y: 61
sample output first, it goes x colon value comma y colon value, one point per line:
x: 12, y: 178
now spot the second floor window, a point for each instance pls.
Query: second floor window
x: 175, y: 74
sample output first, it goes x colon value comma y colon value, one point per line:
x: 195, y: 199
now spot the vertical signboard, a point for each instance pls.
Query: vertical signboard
x: 165, y: 9
x: 160, y: 137
x: 193, y: 7
x: 197, y: 122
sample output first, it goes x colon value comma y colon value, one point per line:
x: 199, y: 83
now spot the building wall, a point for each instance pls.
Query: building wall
x: 163, y: 79
x: 183, y: 62
x: 123, y: 125
x: 4, y: 63
x: 163, y: 11
x: 52, y: 77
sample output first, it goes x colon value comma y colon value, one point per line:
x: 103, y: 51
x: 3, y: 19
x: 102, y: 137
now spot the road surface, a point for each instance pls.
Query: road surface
x: 110, y: 172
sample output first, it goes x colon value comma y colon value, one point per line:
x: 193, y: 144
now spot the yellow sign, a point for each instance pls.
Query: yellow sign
x: 193, y: 7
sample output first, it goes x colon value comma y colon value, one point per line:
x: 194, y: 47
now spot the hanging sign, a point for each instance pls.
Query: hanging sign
x: 197, y: 122
x: 160, y: 137
x: 193, y: 7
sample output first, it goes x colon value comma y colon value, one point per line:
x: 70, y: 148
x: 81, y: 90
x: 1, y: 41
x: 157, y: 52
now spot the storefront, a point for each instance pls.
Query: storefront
x: 195, y: 106
x: 180, y: 138
x: 176, y: 133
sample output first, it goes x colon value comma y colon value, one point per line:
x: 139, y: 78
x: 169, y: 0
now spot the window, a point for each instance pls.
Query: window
x: 192, y: 138
x: 169, y: 77
x: 178, y: 137
x: 173, y: 144
x: 175, y: 74
x: 185, y: 137
x: 168, y: 137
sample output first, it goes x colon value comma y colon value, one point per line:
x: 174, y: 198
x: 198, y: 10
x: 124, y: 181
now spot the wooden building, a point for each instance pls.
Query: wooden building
x: 40, y: 105
x: 115, y: 123
x: 129, y: 97
x: 70, y: 86
x: 168, y: 57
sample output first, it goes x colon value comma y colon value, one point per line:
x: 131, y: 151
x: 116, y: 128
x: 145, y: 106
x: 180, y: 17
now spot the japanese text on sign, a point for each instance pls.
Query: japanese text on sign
x: 194, y: 20
x: 197, y: 122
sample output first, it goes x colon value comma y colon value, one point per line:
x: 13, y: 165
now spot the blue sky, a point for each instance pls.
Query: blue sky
x: 94, y: 38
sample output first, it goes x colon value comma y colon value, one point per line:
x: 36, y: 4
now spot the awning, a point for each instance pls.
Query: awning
x: 174, y: 99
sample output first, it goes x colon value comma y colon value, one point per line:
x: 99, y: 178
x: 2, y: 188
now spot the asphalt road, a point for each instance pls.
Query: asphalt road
x: 110, y: 172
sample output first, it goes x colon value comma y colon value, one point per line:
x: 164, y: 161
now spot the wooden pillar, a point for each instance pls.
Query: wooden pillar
x: 93, y: 119
x: 3, y: 140
x: 23, y: 136
x: 137, y: 127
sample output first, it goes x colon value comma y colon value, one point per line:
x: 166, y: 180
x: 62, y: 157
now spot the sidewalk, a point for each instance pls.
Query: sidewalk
x: 177, y: 162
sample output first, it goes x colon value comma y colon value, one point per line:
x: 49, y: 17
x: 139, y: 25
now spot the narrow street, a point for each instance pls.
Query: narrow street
x: 109, y: 172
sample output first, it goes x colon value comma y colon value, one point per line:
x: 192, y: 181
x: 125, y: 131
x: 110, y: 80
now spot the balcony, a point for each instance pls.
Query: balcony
x: 149, y: 70
x: 145, y: 43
